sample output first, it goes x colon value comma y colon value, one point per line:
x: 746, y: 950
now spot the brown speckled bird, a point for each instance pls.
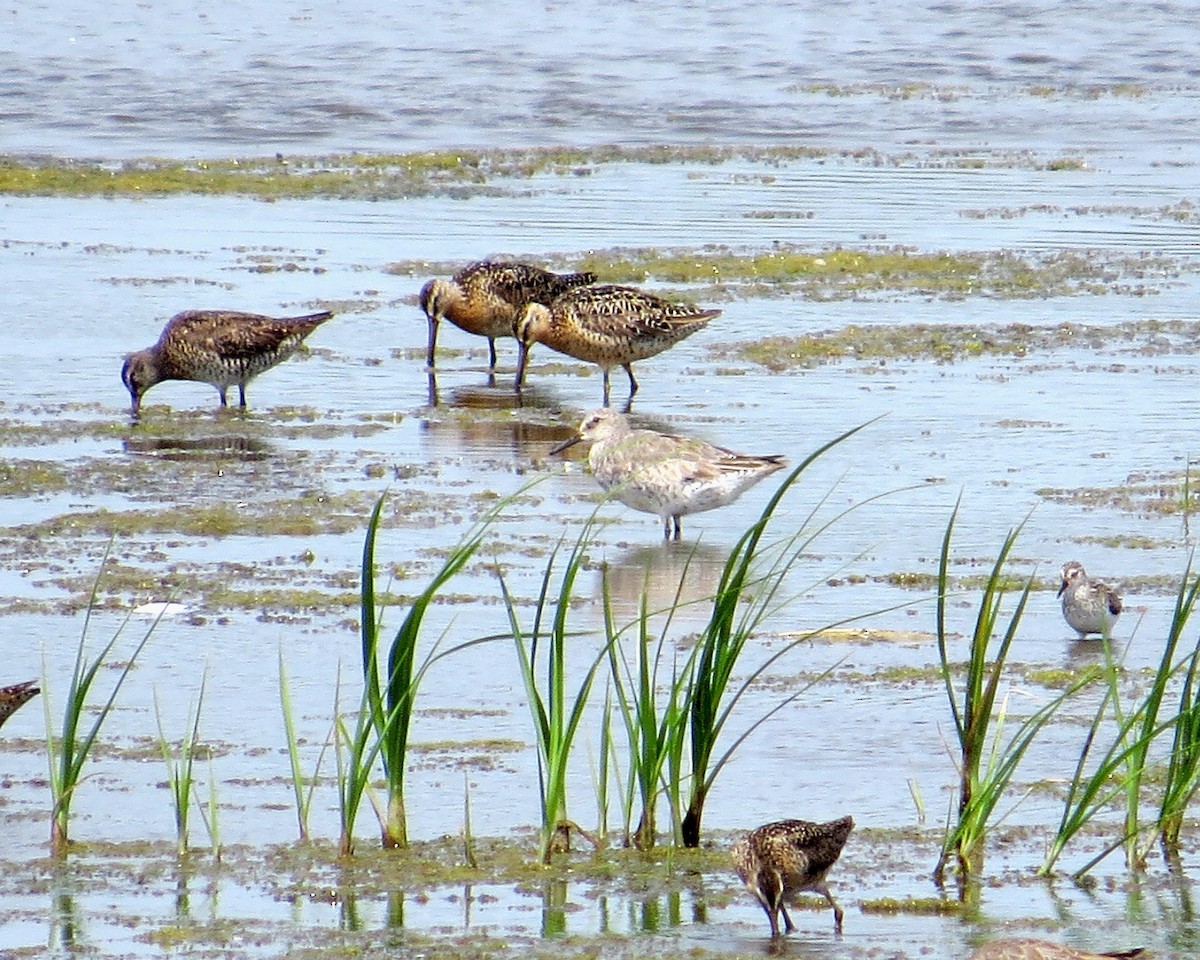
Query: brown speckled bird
x: 609, y: 326
x: 487, y: 298
x: 221, y: 347
x: 779, y: 860
x: 12, y: 698
x: 1025, y: 949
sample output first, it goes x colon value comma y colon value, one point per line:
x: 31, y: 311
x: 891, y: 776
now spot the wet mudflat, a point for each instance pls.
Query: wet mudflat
x: 1006, y: 292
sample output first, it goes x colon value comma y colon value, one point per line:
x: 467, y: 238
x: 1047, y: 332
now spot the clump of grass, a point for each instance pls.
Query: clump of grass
x: 1183, y: 769
x: 69, y: 752
x: 741, y: 602
x: 555, y: 720
x: 303, y: 799
x: 180, y: 764
x: 387, y: 702
x: 1121, y: 770
x: 654, y: 731
x: 982, y: 784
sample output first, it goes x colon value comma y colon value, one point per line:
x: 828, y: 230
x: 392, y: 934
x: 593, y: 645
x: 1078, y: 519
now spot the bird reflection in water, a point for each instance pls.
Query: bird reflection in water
x: 671, y: 575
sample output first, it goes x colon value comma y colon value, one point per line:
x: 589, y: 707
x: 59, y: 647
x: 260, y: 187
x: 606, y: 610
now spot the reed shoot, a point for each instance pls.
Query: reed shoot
x: 180, y: 779
x: 1183, y: 769
x: 390, y: 704
x: 734, y: 616
x: 69, y: 752
x: 303, y: 798
x: 556, y: 721
x: 982, y: 785
x: 653, y: 731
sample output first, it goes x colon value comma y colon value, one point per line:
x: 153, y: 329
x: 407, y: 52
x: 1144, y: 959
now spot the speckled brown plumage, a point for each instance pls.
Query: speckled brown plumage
x: 487, y: 298
x: 221, y: 347
x: 13, y: 697
x: 779, y: 860
x: 1028, y: 949
x: 609, y: 326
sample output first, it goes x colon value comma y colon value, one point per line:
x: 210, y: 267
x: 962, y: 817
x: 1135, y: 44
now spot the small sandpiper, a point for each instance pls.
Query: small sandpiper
x: 13, y: 697
x: 779, y: 860
x: 609, y: 326
x: 1089, y: 606
x: 221, y: 347
x: 665, y: 474
x: 1028, y: 949
x: 488, y: 297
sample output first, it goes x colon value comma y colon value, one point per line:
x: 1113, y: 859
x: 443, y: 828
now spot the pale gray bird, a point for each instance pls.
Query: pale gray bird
x: 1089, y: 606
x: 666, y: 474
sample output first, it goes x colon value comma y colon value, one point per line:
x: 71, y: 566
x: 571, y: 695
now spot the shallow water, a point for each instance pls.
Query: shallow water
x: 1013, y: 86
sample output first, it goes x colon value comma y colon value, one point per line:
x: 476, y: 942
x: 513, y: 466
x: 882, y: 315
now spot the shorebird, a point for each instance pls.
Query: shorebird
x: 1024, y: 949
x: 487, y: 298
x: 12, y: 698
x: 1089, y: 606
x: 221, y: 347
x: 609, y: 326
x: 779, y: 860
x: 665, y: 474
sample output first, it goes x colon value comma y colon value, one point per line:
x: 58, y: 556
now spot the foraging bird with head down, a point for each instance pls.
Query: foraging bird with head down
x: 488, y: 297
x: 1088, y: 605
x: 779, y: 860
x: 665, y: 474
x: 224, y: 348
x: 610, y: 326
x: 14, y: 696
x: 1030, y: 949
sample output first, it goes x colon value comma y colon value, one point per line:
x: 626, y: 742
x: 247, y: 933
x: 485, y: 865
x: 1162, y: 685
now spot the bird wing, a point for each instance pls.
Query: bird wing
x: 237, y: 335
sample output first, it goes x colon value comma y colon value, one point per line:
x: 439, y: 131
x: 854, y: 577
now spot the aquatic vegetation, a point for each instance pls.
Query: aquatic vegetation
x: 949, y: 343
x: 982, y: 785
x: 387, y: 707
x: 20, y: 478
x: 555, y: 721
x: 343, y: 176
x: 1124, y: 768
x: 180, y: 763
x: 654, y: 732
x: 742, y: 600
x: 69, y: 752
x: 303, y: 798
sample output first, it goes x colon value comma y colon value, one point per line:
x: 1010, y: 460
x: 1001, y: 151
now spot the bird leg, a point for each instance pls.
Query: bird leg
x: 221, y: 391
x: 678, y: 526
x: 492, y: 354
x: 788, y: 926
x: 242, y: 395
x: 772, y: 917
x: 605, y: 387
x: 837, y: 911
x: 633, y: 384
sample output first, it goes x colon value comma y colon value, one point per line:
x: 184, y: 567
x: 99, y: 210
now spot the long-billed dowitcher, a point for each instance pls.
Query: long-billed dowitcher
x: 609, y: 326
x: 779, y: 860
x: 1089, y: 606
x: 1028, y: 949
x: 487, y: 298
x: 13, y: 697
x: 665, y: 474
x: 221, y: 347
